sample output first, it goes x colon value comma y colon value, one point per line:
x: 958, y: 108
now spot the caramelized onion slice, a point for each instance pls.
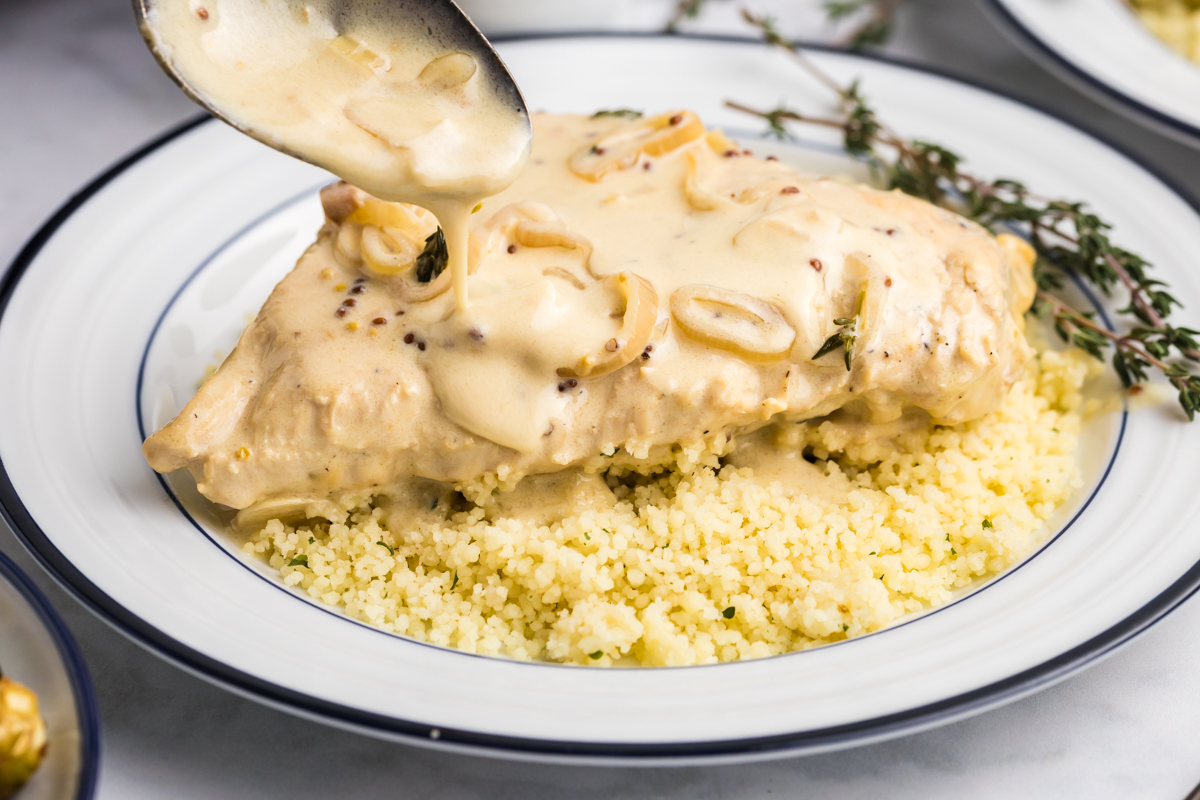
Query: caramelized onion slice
x: 749, y: 326
x: 285, y: 509
x: 532, y: 224
x: 652, y: 136
x: 402, y: 216
x: 356, y: 50
x: 695, y: 182
x: 641, y: 312
x: 448, y: 71
x: 388, y: 251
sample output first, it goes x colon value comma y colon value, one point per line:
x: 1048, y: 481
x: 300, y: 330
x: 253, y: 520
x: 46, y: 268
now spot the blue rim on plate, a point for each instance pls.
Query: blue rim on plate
x: 960, y: 706
x: 1083, y: 80
x: 86, y: 709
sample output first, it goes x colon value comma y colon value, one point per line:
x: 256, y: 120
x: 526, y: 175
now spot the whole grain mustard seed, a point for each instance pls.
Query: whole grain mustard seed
x: 351, y: 326
x: 379, y: 321
x: 341, y: 287
x: 327, y: 273
x: 243, y: 453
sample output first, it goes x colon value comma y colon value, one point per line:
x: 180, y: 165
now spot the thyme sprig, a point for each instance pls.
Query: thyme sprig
x: 875, y: 29
x: 623, y: 113
x: 684, y: 9
x: 844, y: 336
x: 1071, y: 241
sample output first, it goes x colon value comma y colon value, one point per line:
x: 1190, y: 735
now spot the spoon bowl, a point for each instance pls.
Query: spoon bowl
x: 437, y: 26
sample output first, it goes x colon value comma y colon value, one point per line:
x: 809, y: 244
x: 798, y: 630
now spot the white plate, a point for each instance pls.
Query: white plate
x: 1101, y: 47
x: 37, y: 650
x: 116, y: 306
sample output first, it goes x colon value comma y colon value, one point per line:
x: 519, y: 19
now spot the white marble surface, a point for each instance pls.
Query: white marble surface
x: 78, y: 90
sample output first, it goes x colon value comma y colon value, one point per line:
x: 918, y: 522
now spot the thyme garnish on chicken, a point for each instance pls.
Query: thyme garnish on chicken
x: 1071, y: 241
x: 844, y: 336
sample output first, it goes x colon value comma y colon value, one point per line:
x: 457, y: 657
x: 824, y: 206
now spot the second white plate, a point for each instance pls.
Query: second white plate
x: 1101, y: 47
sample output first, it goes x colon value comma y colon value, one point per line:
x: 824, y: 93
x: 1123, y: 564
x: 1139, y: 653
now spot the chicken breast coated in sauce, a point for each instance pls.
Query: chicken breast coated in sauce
x: 642, y: 284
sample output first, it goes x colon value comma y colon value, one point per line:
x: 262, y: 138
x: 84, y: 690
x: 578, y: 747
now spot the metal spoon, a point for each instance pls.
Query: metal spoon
x: 445, y: 24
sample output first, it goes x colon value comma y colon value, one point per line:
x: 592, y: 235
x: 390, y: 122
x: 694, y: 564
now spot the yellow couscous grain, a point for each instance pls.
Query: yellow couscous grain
x: 701, y: 563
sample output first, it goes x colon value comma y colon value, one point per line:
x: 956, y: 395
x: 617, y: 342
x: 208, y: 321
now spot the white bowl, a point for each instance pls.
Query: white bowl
x: 37, y: 650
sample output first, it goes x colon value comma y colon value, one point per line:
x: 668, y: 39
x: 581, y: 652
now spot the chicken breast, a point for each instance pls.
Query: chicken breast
x: 643, y: 284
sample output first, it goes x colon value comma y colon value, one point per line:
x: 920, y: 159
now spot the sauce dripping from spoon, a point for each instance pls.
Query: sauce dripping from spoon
x: 405, y: 100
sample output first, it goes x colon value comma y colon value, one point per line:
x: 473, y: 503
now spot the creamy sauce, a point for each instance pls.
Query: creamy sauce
x: 642, y: 285
x: 381, y: 94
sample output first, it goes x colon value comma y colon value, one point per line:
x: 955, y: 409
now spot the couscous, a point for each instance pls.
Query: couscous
x: 701, y: 560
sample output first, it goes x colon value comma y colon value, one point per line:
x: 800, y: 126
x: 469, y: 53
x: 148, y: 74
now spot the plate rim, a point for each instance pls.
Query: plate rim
x: 87, y: 710
x: 1079, y: 78
x: 39, y: 545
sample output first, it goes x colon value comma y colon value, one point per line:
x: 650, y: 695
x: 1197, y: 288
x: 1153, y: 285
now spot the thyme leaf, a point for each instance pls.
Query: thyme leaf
x: 845, y: 335
x: 1071, y: 241
x: 685, y: 9
x: 433, y: 258
x: 624, y: 113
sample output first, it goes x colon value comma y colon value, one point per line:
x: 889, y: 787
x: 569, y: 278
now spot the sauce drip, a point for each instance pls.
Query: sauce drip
x: 384, y: 95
